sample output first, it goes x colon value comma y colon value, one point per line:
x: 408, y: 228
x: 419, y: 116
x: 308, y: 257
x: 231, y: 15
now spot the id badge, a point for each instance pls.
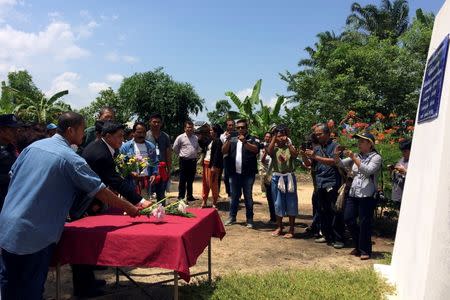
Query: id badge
x: 157, y: 151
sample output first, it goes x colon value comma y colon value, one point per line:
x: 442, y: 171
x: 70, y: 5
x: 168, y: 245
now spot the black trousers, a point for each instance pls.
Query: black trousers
x: 188, y: 168
x: 331, y: 223
x: 360, y: 209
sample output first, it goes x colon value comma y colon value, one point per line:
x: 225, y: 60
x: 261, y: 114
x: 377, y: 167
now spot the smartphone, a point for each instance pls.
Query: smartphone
x: 234, y: 134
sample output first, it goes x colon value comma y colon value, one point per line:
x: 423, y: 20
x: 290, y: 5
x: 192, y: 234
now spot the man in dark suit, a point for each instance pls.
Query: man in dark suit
x: 100, y: 155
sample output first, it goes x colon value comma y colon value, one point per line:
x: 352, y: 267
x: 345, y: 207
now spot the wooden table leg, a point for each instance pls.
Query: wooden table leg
x: 175, y: 285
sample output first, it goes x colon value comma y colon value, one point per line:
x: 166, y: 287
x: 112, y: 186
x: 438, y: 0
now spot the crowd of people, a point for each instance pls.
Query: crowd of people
x: 77, y: 166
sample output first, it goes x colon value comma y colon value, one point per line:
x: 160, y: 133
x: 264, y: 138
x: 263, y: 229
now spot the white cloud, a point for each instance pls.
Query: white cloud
x: 57, y: 40
x: 54, y: 15
x: 96, y: 87
x: 109, y: 18
x: 85, y: 14
x: 8, y: 11
x: 130, y: 59
x: 86, y: 30
x: 112, y: 56
x: 244, y: 93
x: 65, y: 81
x: 115, y: 57
x: 114, y: 78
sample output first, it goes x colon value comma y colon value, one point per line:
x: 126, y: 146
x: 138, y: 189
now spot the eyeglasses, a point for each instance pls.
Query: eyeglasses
x: 240, y: 127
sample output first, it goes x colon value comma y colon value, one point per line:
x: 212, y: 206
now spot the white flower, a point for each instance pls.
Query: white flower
x: 159, y: 212
x: 182, y: 206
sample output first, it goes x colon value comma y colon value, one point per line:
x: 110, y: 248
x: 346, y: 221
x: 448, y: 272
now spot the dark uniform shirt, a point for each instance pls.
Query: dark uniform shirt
x: 326, y: 176
x: 8, y: 156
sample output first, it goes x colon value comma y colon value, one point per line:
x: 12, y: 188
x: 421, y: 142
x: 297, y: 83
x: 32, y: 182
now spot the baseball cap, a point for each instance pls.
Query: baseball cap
x: 8, y: 120
x: 365, y: 135
x: 51, y: 126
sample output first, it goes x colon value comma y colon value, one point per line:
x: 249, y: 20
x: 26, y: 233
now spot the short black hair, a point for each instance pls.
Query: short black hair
x: 139, y: 123
x: 111, y: 127
x: 69, y: 119
x: 267, y: 132
x: 99, y: 126
x: 229, y: 120
x: 156, y: 116
x: 242, y: 121
x: 188, y: 123
x: 105, y: 109
x: 281, y: 129
x: 217, y: 129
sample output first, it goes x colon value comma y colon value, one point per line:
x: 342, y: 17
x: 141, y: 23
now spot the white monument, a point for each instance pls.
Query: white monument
x: 420, y: 266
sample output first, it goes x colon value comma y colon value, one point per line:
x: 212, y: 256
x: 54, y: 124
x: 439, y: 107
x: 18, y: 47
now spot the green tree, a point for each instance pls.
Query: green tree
x: 221, y: 113
x: 111, y: 99
x: 359, y: 72
x: 22, y: 97
x: 42, y: 110
x: 156, y: 92
x: 389, y: 20
x: 260, y: 120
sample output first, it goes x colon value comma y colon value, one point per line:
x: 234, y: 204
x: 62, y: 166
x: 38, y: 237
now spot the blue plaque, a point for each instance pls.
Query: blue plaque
x: 430, y: 97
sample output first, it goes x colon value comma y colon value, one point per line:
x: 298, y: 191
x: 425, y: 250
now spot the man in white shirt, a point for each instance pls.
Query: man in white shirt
x: 186, y: 147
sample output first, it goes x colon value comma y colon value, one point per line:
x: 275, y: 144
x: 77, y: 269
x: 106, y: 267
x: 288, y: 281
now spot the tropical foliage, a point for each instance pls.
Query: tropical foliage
x: 375, y: 65
x: 155, y: 91
x: 22, y: 97
x: 260, y: 120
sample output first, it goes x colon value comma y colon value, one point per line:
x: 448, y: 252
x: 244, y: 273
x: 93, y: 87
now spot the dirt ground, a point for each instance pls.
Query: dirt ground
x: 242, y: 250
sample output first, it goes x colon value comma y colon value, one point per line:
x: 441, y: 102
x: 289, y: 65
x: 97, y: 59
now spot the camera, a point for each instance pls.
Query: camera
x: 234, y: 134
x: 306, y: 145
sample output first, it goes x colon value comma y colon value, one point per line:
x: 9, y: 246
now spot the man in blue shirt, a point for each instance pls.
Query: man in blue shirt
x: 44, y: 180
x: 139, y: 146
x: 328, y: 181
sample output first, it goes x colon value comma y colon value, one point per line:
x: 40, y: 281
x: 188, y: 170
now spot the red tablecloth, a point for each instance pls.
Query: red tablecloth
x: 115, y: 240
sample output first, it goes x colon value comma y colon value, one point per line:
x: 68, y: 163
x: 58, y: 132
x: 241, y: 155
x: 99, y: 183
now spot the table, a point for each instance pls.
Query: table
x: 122, y: 241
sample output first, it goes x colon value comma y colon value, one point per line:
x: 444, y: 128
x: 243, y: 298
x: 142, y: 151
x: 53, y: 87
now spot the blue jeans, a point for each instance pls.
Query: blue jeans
x: 24, y: 276
x: 361, y: 209
x: 241, y: 184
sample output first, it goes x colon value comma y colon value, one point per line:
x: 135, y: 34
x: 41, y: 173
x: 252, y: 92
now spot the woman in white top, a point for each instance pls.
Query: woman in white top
x: 360, y: 204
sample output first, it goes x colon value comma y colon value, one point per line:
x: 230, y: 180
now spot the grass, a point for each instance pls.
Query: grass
x: 293, y: 284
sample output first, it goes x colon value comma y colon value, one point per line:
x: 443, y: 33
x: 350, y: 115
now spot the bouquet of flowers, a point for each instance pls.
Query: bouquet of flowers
x: 177, y: 208
x: 126, y: 164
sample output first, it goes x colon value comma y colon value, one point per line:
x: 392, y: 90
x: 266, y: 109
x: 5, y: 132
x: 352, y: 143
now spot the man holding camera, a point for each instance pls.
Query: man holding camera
x: 328, y: 181
x: 242, y: 166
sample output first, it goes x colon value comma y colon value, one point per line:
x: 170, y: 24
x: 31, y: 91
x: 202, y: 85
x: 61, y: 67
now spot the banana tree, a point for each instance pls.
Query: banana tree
x: 246, y: 106
x: 42, y: 110
x: 266, y: 117
x: 259, y: 121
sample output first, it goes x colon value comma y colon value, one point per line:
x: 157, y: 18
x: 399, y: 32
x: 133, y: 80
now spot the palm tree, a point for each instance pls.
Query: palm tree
x: 42, y: 110
x: 389, y: 20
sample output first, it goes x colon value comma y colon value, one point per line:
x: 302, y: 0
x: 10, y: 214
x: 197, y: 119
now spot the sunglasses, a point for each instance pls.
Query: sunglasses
x: 241, y: 127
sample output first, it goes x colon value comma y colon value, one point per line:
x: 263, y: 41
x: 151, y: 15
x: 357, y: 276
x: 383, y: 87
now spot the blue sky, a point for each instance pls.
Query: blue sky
x: 85, y: 46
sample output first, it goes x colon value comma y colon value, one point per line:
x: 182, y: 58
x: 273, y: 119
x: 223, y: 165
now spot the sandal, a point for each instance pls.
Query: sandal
x: 288, y: 235
x: 277, y: 232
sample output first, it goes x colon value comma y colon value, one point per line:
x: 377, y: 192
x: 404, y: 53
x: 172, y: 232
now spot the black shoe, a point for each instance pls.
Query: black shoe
x: 88, y: 293
x: 99, y: 268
